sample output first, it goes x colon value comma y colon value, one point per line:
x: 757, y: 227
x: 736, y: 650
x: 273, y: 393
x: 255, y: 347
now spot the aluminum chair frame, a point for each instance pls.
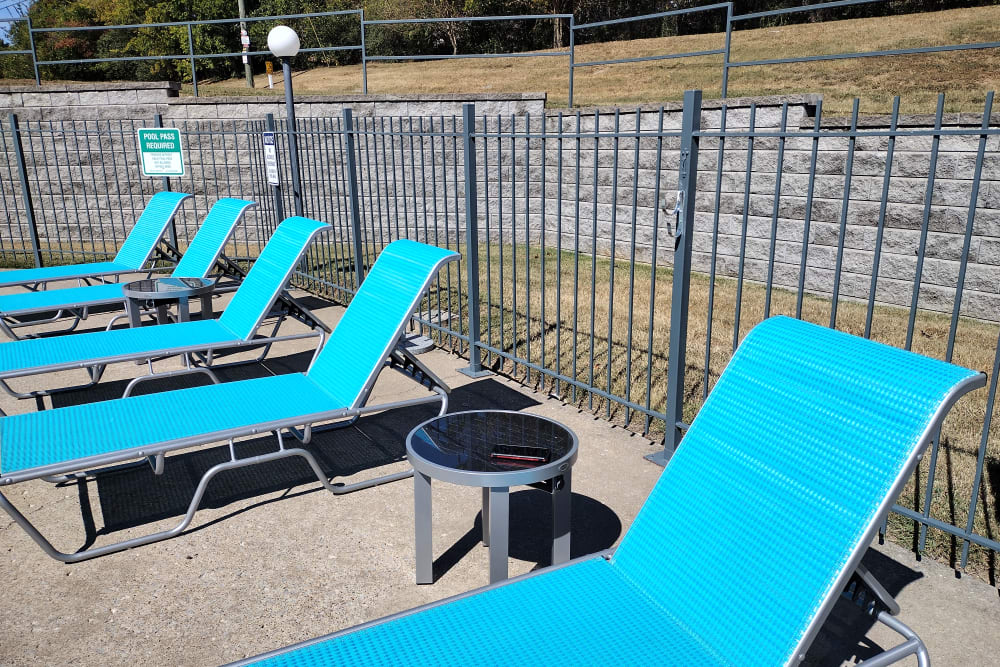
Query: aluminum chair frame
x: 96, y: 366
x: 852, y: 580
x: 302, y: 427
x: 79, y: 308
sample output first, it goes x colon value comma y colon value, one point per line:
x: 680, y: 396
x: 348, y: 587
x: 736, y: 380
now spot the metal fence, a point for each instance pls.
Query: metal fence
x: 70, y: 195
x: 577, y: 233
x: 728, y: 63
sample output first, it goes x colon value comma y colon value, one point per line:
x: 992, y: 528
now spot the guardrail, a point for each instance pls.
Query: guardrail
x: 727, y: 64
x: 191, y: 56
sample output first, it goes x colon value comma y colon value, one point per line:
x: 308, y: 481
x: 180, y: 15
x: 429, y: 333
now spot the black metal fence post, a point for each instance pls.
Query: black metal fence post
x: 352, y: 194
x: 475, y: 367
x: 172, y: 231
x: 22, y: 172
x: 684, y: 233
x: 279, y: 206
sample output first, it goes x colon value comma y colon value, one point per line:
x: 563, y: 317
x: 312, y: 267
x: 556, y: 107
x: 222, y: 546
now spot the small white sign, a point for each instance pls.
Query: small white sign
x: 160, y: 151
x: 270, y: 159
x: 244, y: 38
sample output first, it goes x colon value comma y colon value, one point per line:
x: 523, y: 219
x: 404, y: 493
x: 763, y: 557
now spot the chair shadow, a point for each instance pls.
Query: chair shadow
x: 109, y: 390
x: 842, y: 639
x: 134, y: 496
x: 593, y: 527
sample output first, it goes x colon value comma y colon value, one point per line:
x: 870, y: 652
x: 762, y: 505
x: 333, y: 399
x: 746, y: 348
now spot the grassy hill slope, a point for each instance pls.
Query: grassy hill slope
x: 964, y: 76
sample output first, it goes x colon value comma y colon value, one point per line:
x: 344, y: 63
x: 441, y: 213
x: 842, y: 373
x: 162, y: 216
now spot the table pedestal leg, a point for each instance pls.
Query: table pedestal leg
x: 183, y: 309
x: 422, y: 520
x: 486, y: 516
x: 134, y: 308
x: 498, y: 522
x: 561, y: 494
x: 206, y: 307
x: 161, y: 313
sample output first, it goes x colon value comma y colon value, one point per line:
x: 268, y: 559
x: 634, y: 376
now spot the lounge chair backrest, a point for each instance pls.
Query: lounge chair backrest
x: 149, y: 228
x: 376, y: 318
x: 207, y: 244
x: 269, y: 274
x: 776, y: 489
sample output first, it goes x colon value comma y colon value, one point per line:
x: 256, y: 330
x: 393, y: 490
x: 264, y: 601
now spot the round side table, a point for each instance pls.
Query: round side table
x: 494, y: 450
x: 159, y: 292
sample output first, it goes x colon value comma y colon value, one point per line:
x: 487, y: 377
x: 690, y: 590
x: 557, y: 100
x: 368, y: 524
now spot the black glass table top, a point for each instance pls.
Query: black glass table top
x: 161, y: 288
x: 491, y: 441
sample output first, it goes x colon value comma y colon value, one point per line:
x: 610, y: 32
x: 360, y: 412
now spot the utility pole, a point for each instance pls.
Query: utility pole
x: 245, y: 42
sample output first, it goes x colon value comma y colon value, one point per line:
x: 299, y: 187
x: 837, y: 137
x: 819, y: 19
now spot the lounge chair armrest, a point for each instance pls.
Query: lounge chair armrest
x: 864, y: 590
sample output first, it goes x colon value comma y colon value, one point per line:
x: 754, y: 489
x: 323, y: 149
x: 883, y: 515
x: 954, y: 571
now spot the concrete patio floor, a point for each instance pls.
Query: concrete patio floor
x: 273, y: 559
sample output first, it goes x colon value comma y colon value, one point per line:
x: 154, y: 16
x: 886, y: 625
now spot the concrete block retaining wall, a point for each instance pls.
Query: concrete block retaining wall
x: 516, y: 186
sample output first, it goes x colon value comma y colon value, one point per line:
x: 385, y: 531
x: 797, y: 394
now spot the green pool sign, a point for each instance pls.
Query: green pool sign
x: 160, y: 151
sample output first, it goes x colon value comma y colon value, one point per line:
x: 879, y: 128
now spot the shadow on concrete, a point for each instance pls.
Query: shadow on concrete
x: 108, y: 390
x: 594, y: 527
x: 842, y: 639
x: 135, y: 496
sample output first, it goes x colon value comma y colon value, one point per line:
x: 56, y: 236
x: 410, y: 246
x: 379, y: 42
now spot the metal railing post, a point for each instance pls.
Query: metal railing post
x: 22, y: 171
x: 572, y: 56
x: 172, y: 230
x: 292, y: 131
x: 364, y: 56
x: 475, y: 367
x: 279, y: 206
x: 34, y: 54
x: 684, y: 233
x: 725, y: 55
x: 194, y: 73
x: 352, y: 194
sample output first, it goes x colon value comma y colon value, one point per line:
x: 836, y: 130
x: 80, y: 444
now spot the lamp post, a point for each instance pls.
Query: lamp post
x: 284, y: 43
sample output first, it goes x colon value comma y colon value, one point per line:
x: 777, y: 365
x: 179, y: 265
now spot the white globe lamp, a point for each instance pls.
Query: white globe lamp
x: 283, y: 42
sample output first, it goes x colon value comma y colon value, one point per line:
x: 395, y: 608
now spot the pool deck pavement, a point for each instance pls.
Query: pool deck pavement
x: 272, y: 559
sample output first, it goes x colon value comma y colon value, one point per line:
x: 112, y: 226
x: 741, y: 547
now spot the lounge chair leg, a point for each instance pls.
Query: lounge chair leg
x: 188, y: 516
x: 183, y: 371
x: 95, y: 373
x: 912, y: 646
x: 8, y: 327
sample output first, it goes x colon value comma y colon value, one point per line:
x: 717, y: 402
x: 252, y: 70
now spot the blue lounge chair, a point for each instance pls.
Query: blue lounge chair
x: 336, y: 387
x: 237, y: 327
x: 131, y: 257
x: 197, y: 262
x: 778, y: 487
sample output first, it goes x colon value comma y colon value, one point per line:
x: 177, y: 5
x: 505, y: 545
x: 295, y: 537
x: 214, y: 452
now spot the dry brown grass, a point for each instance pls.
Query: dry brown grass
x: 964, y: 76
x: 520, y: 329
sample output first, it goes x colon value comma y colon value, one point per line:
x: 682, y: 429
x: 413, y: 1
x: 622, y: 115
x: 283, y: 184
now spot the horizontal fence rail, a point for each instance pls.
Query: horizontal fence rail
x: 587, y: 238
x: 732, y: 21
x: 192, y: 56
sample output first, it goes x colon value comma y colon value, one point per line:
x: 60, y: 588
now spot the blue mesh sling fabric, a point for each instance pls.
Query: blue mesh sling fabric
x: 269, y: 274
x: 149, y: 228
x: 288, y: 242
x: 395, y: 283
x: 376, y: 317
x: 23, y: 355
x: 64, y: 272
x: 67, y: 434
x: 87, y: 295
x: 207, y: 244
x: 197, y: 261
x: 779, y: 476
x: 133, y: 254
x: 771, y: 490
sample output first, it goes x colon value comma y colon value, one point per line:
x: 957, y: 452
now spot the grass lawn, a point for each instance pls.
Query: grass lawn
x: 964, y: 76
x: 615, y: 358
